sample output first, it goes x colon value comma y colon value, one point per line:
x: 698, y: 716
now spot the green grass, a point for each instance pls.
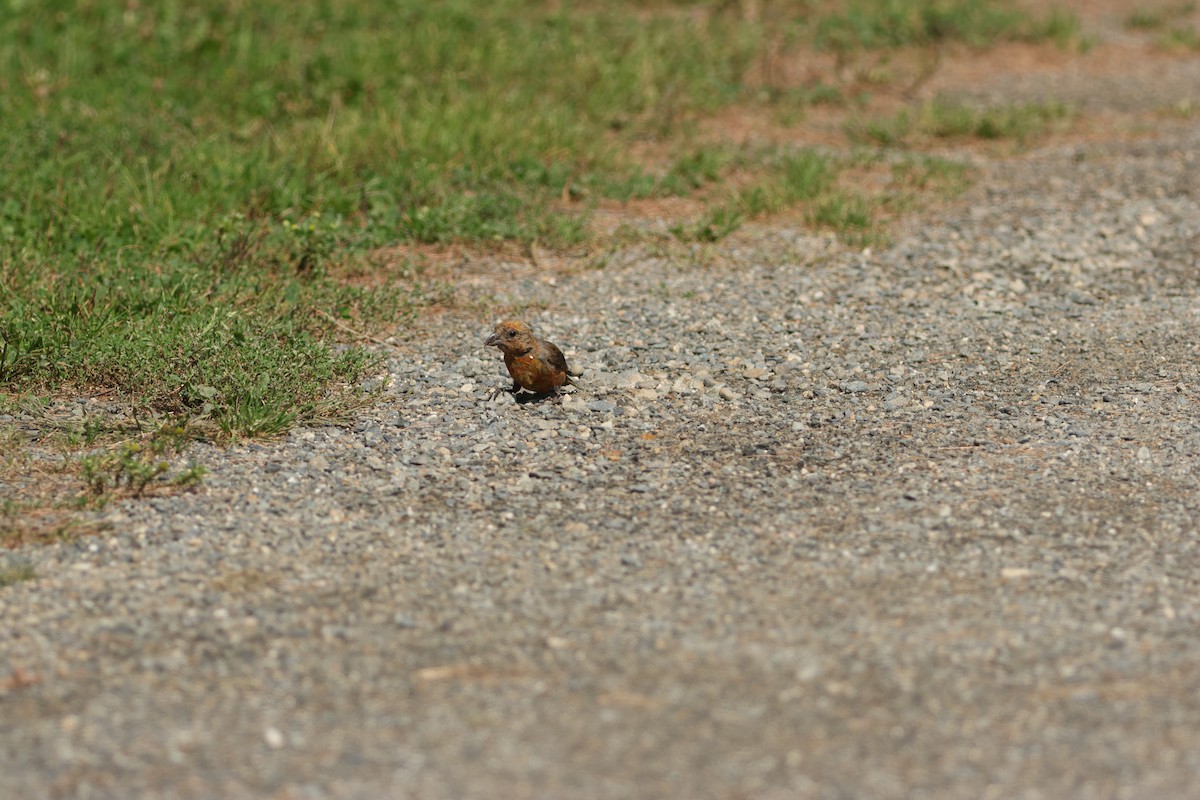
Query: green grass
x: 214, y: 336
x: 930, y: 173
x: 12, y: 572
x: 879, y: 24
x: 804, y: 179
x: 1020, y: 121
x: 794, y: 177
x: 185, y: 185
x: 1182, y: 38
x: 138, y: 464
x: 1156, y: 18
x: 143, y: 125
x: 697, y: 168
x: 1184, y: 109
x: 713, y: 226
x: 788, y: 178
x: 137, y: 127
x: 943, y: 119
x: 179, y: 182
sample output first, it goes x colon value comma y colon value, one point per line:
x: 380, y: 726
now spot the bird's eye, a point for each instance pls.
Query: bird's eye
x: 511, y: 334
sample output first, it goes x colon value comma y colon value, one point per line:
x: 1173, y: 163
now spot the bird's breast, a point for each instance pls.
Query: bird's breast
x: 533, y: 374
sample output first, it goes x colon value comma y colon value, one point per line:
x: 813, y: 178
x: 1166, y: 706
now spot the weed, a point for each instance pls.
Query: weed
x: 878, y: 24
x: 1061, y: 27
x: 3, y: 352
x: 1183, y: 38
x: 698, y: 168
x: 885, y: 131
x: 793, y: 178
x: 694, y: 170
x: 133, y: 466
x: 1155, y: 19
x: 842, y: 212
x: 715, y: 225
x: 1184, y: 109
x: 309, y: 244
x: 925, y: 173
x: 128, y: 467
x: 190, y: 475
x: 945, y: 119
x: 1020, y: 122
x: 12, y: 572
x: 1144, y: 19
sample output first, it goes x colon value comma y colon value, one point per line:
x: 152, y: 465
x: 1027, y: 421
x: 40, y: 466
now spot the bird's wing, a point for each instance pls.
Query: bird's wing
x: 556, y: 359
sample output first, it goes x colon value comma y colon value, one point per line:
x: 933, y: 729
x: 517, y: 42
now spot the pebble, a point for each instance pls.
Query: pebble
x: 815, y: 518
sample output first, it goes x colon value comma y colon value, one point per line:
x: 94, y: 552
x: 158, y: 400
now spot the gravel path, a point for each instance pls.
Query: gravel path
x: 822, y: 523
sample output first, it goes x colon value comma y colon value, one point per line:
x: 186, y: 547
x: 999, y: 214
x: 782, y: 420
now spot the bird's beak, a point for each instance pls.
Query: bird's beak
x: 494, y: 339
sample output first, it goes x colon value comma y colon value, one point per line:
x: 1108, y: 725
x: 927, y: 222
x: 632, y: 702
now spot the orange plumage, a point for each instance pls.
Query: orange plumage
x: 535, y: 365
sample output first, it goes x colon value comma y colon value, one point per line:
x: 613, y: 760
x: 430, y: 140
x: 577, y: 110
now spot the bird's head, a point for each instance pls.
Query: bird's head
x: 512, y: 337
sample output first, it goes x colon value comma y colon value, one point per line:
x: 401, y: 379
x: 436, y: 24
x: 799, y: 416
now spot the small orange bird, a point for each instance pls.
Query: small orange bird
x: 535, y: 364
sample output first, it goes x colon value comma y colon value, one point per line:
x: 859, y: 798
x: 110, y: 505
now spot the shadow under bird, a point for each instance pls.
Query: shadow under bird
x: 535, y: 365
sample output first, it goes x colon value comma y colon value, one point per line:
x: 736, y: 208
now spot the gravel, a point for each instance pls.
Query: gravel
x: 821, y: 522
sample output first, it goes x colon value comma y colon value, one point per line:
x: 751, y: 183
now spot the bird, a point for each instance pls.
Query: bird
x: 535, y: 365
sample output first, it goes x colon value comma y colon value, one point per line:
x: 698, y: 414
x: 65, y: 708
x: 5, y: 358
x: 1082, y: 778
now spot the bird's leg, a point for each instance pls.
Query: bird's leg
x: 516, y: 387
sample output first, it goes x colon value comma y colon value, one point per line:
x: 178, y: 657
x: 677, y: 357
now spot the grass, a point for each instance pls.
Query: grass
x: 813, y: 184
x: 12, y: 572
x: 930, y: 173
x: 697, y: 168
x: 1157, y: 18
x: 876, y: 24
x: 943, y: 119
x: 1182, y: 38
x: 199, y: 202
x: 166, y: 117
x: 1184, y: 109
x: 86, y: 464
x: 373, y: 113
x: 239, y: 347
x: 138, y: 464
x: 181, y: 182
x: 1021, y: 121
x: 791, y: 177
x: 30, y: 509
